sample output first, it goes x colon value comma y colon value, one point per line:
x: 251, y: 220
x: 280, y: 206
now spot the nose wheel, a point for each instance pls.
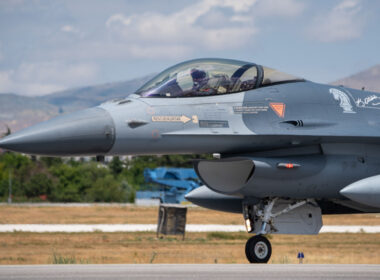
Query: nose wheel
x: 258, y: 249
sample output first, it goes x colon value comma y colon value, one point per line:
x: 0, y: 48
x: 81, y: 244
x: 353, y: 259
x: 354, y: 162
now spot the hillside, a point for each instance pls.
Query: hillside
x: 19, y: 111
x: 84, y: 97
x: 370, y: 79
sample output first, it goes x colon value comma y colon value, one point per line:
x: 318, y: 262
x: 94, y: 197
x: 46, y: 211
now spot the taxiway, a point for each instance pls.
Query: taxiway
x: 191, y: 271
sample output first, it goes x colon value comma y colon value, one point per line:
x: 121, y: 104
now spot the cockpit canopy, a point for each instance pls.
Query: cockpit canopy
x: 203, y: 77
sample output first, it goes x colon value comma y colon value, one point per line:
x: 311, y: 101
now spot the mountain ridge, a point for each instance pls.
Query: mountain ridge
x: 18, y: 111
x: 83, y: 97
x: 369, y: 79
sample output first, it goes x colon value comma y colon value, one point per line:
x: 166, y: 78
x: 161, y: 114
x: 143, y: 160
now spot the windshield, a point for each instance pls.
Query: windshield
x: 203, y: 77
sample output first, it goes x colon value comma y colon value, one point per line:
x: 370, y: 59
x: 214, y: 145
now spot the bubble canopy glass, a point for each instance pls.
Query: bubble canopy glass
x: 204, y: 77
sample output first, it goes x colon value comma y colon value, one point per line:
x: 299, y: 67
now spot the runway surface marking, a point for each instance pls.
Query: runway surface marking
x: 191, y: 271
x: 153, y: 227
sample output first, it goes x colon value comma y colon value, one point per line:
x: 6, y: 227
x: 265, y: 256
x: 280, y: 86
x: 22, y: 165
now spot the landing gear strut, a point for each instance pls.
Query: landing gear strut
x: 259, y: 219
x: 258, y: 249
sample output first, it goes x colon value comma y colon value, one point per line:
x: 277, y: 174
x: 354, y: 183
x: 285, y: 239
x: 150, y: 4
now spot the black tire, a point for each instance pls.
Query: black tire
x: 258, y: 249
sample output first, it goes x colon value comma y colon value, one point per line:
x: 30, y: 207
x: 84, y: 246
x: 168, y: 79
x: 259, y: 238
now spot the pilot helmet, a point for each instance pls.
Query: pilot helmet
x: 198, y: 74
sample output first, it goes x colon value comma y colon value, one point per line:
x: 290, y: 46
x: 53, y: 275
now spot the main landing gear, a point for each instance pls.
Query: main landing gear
x: 259, y: 219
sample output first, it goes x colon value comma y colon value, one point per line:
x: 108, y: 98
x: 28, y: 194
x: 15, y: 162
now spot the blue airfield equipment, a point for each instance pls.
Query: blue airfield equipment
x: 169, y: 185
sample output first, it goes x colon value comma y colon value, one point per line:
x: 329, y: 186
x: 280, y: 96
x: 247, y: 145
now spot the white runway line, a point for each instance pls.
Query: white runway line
x: 351, y: 229
x: 153, y: 227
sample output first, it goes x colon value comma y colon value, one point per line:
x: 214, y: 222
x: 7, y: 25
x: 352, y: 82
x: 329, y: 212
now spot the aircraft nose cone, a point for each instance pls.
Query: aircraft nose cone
x: 86, y: 132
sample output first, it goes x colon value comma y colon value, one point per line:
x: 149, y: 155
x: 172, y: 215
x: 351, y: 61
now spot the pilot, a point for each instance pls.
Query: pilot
x: 198, y: 76
x: 200, y: 81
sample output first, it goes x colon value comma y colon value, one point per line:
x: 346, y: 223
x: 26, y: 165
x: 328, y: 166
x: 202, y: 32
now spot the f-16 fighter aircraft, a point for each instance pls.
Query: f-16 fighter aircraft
x: 287, y: 150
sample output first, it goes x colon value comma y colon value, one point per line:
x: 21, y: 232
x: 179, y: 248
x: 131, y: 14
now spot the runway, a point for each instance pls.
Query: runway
x: 191, y: 271
x: 72, y: 228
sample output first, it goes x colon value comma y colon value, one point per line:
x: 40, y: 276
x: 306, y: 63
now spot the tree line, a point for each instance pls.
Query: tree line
x: 69, y: 180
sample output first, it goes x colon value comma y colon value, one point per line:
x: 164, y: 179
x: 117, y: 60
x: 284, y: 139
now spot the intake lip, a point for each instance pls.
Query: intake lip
x: 86, y: 132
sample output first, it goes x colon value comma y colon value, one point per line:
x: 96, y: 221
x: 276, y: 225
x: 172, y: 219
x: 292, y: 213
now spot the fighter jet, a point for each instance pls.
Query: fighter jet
x: 287, y: 150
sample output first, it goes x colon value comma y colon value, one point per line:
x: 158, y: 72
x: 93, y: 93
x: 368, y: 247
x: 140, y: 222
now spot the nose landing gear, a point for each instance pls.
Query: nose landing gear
x: 258, y: 249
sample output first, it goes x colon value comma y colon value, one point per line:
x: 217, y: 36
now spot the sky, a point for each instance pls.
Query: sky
x: 48, y: 46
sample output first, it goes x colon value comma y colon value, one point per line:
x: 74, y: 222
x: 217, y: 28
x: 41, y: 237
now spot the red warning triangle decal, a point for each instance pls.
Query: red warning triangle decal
x: 278, y: 108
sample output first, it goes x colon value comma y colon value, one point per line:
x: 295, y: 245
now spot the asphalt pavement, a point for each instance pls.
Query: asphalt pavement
x: 191, y: 271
